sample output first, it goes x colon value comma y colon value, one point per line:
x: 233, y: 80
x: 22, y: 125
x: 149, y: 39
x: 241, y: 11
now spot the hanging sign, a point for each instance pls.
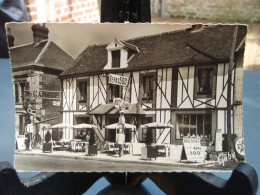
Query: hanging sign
x: 193, y: 149
x: 117, y: 80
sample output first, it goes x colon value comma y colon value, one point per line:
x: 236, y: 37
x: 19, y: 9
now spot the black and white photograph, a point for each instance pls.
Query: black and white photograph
x: 127, y: 97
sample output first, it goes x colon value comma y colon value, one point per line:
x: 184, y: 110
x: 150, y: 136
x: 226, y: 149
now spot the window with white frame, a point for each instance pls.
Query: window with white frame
x: 205, y: 81
x: 148, y: 86
x: 194, y: 125
x: 116, y: 59
x: 83, y: 91
x: 20, y: 89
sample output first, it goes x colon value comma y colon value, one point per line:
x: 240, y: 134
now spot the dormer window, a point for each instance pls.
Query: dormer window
x: 119, y: 54
x: 116, y: 59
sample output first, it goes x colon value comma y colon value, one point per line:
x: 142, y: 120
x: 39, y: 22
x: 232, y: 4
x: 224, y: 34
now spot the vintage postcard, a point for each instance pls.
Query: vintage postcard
x: 127, y: 97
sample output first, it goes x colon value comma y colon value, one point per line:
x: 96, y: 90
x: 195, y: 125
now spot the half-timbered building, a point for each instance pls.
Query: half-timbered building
x: 178, y: 78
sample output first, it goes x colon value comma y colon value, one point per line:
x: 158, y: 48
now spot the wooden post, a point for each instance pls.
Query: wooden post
x: 229, y: 106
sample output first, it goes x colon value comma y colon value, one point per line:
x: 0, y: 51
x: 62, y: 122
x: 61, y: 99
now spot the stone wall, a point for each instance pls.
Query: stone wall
x: 219, y: 10
x: 62, y: 10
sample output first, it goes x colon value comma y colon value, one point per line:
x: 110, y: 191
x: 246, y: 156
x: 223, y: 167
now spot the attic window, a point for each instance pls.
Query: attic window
x: 116, y: 59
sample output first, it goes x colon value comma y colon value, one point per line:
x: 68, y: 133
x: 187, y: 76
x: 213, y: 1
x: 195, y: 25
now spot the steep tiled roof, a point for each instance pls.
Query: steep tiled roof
x: 46, y: 54
x: 211, y: 43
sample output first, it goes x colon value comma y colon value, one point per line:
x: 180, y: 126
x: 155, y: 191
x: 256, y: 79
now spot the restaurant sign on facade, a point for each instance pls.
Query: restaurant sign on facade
x: 117, y: 80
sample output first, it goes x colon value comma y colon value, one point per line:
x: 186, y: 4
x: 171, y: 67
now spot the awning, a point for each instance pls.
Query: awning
x: 156, y: 125
x: 102, y: 109
x: 131, y: 109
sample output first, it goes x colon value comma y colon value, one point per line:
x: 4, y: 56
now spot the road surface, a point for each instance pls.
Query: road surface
x: 48, y: 163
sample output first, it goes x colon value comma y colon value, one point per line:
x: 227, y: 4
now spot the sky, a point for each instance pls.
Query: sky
x: 75, y: 37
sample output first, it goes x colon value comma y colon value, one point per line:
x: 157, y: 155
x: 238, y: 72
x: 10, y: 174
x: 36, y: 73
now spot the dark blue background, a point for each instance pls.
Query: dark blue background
x: 251, y: 108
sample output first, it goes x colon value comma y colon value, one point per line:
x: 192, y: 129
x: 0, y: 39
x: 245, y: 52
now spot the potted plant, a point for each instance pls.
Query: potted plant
x: 47, y: 146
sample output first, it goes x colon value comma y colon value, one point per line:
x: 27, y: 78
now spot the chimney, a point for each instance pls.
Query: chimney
x: 40, y: 33
x: 10, y: 38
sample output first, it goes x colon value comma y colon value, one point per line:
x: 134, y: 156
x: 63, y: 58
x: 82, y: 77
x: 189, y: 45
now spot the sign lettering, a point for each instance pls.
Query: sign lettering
x: 117, y: 80
x: 193, y: 149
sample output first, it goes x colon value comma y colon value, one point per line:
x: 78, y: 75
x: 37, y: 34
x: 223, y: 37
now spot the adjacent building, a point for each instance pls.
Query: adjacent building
x: 35, y: 69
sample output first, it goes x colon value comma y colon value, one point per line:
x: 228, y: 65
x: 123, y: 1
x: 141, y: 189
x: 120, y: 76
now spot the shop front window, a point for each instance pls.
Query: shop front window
x: 194, y: 125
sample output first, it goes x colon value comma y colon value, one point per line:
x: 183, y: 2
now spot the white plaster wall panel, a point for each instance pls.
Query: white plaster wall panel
x: 74, y: 86
x: 64, y: 95
x: 158, y: 117
x: 125, y: 88
x: 206, y: 104
x: 168, y: 117
x: 220, y: 84
x: 226, y: 78
x: 184, y: 73
x: 179, y: 90
x: 91, y: 95
x: 232, y: 87
x: 150, y: 112
x: 67, y: 94
x: 158, y: 91
x: 70, y: 89
x: 164, y: 136
x: 196, y: 103
x: 165, y: 100
x: 163, y: 85
x: 96, y: 101
x: 221, y: 121
x: 186, y: 103
x: 169, y: 85
x: 71, y: 118
x: 191, y: 82
x: 95, y: 121
x: 223, y: 102
x: 135, y: 88
x: 103, y: 86
x: 123, y: 60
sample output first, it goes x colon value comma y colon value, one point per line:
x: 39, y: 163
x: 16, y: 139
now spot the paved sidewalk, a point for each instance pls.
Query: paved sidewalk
x: 102, y: 156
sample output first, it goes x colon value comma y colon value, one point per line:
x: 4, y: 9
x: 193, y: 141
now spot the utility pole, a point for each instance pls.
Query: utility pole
x: 229, y: 106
